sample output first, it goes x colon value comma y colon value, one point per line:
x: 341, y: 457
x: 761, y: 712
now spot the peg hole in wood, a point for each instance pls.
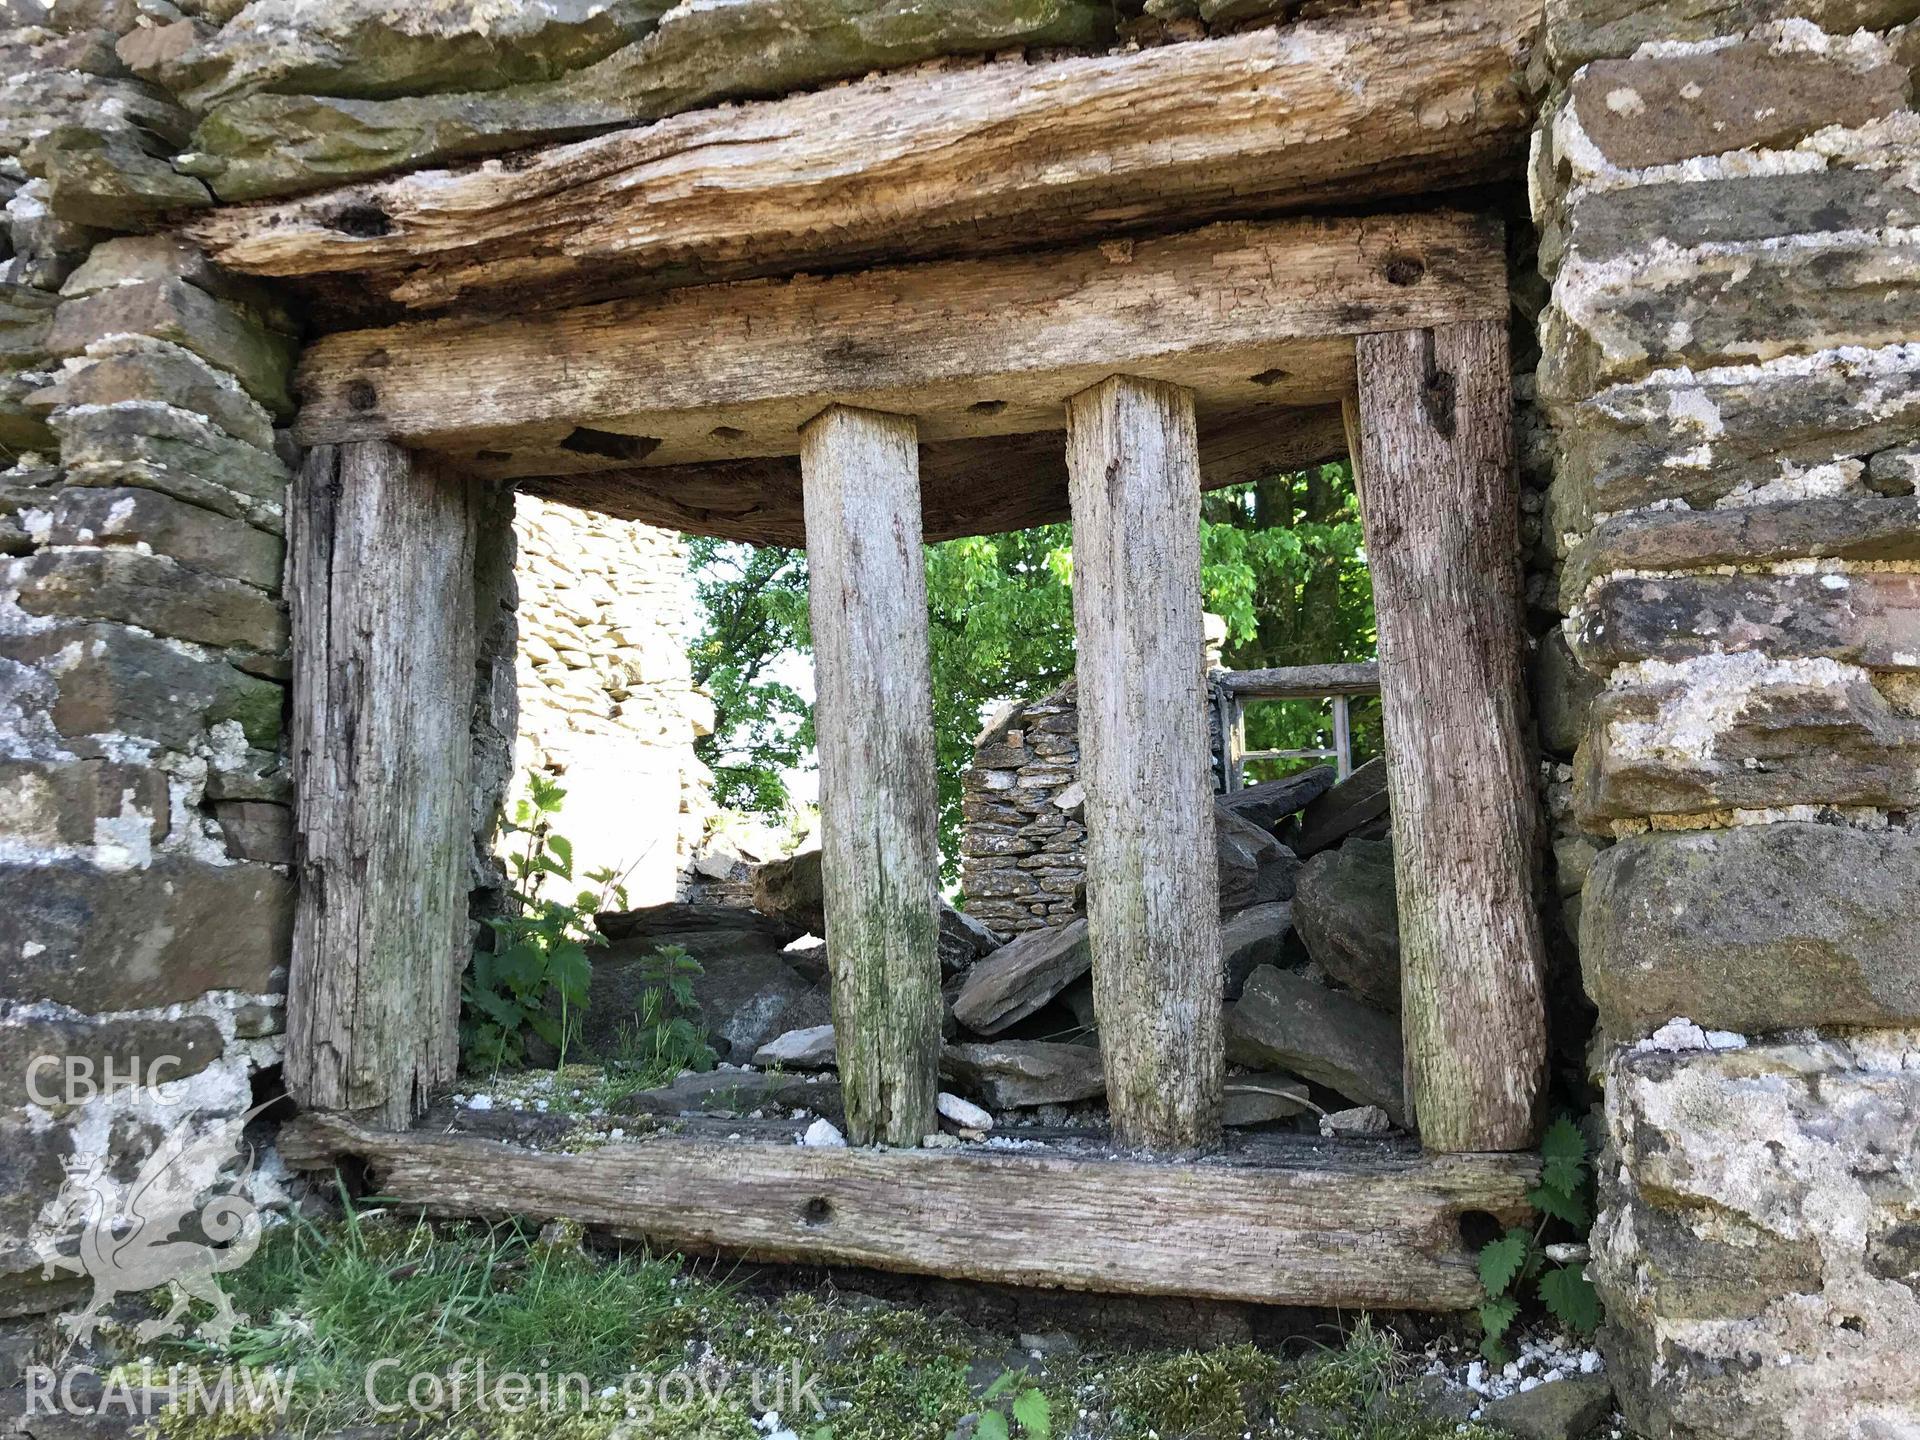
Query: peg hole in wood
x: 1404, y: 270
x: 817, y: 1211
x: 1269, y: 377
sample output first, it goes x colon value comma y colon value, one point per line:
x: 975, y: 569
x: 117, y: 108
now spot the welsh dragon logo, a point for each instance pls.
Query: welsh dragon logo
x: 158, y: 1231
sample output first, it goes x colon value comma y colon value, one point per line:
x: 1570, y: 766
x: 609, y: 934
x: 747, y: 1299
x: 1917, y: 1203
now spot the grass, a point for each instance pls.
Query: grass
x: 329, y: 1303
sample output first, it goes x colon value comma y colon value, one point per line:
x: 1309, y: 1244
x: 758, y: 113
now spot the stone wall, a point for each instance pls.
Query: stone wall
x: 607, y: 705
x: 1021, y: 861
x: 1726, y: 197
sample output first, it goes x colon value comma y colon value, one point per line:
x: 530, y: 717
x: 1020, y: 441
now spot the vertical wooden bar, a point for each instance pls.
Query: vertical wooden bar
x: 1152, y: 881
x: 1441, y: 509
x: 380, y: 584
x: 873, y: 714
x: 1342, y: 738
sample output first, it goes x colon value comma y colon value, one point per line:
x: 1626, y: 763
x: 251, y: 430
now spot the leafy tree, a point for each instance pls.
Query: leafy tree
x: 1282, y: 561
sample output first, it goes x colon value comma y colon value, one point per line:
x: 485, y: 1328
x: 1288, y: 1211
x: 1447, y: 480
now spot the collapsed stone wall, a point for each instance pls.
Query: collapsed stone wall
x: 606, y: 699
x: 1729, y: 549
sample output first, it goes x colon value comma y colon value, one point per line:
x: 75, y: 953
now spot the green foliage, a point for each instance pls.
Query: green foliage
x: 1014, y: 1400
x: 1281, y: 560
x: 1519, y: 1257
x: 753, y: 604
x: 665, y: 1037
x: 536, y: 975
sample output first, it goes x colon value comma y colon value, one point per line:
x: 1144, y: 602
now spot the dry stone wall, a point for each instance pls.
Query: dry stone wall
x: 606, y: 701
x: 1726, y: 195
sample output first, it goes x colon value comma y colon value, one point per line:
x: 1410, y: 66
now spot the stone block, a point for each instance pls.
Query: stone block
x: 1348, y: 917
x: 1741, y: 732
x: 107, y: 179
x: 113, y: 681
x: 1273, y: 802
x: 1660, y: 109
x: 133, y: 259
x: 1850, y: 527
x: 102, y: 940
x: 164, y: 374
x: 1870, y: 618
x: 1752, y: 929
x: 158, y: 447
x: 256, y: 830
x: 199, y: 539
x: 1577, y: 31
x: 26, y: 317
x: 1701, y: 437
x: 1728, y: 305
x: 1250, y: 939
x: 84, y: 802
x: 114, y: 1050
x: 31, y: 1172
x: 1254, y: 868
x: 1563, y: 693
x: 1021, y: 976
x: 1355, y: 802
x: 151, y: 592
x: 259, y: 358
x: 1016, y: 1074
x: 1287, y: 1022
x: 1756, y: 1248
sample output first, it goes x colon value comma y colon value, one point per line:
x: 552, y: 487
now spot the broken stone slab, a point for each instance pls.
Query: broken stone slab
x: 1570, y: 1408
x: 199, y: 539
x: 144, y: 938
x: 748, y: 994
x: 1577, y: 31
x: 106, y: 680
x: 737, y: 1093
x: 1272, y: 802
x: 793, y: 890
x: 1358, y: 1122
x: 1870, y: 618
x: 1022, y: 976
x: 1806, y: 732
x: 1251, y: 939
x: 1754, y: 928
x: 1356, y: 801
x: 1255, y: 868
x: 153, y: 592
x: 962, y: 1114
x: 810, y: 1049
x: 26, y: 317
x: 1254, y: 1098
x: 1285, y: 1021
x: 963, y: 940
x: 260, y: 359
x: 1020, y: 1074
x: 256, y: 830
x: 1348, y: 916
x: 274, y: 143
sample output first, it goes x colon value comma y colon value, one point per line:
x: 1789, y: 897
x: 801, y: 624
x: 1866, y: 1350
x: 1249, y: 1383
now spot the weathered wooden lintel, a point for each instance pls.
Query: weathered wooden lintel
x: 1366, y: 103
x: 1354, y: 1225
x: 1244, y: 315
x: 981, y: 486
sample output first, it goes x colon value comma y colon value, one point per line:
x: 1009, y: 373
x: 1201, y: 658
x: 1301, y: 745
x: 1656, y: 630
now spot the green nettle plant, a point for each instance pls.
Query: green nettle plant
x: 665, y: 1036
x: 1014, y: 1398
x: 1519, y: 1259
x: 535, y: 978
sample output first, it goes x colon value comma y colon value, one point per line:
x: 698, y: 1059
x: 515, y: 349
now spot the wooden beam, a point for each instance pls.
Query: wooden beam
x: 967, y: 487
x: 1244, y: 315
x: 1304, y: 682
x: 1309, y: 1223
x: 873, y: 715
x: 1384, y: 100
x: 380, y: 563
x: 1153, y: 896
x: 1441, y: 509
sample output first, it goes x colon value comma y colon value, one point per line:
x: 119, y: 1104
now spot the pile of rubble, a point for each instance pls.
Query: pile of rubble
x: 1309, y: 976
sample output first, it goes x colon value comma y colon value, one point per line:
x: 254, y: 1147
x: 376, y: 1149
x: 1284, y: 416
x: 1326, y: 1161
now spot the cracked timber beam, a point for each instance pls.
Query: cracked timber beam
x: 1357, y: 106
x: 1244, y: 315
x: 1304, y: 1222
